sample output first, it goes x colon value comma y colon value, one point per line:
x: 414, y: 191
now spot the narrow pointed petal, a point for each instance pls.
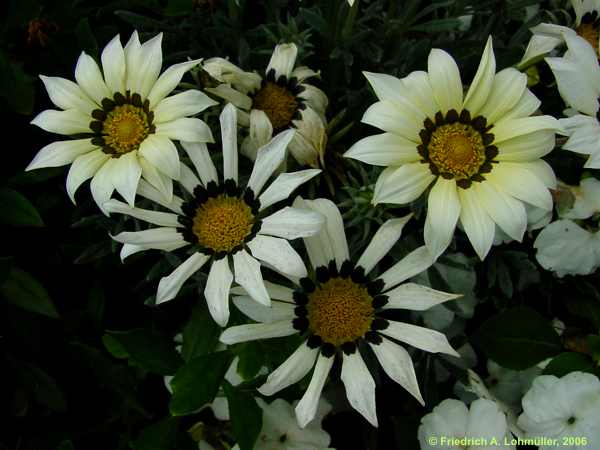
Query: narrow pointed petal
x: 291, y: 370
x: 198, y: 153
x: 283, y: 60
x: 482, y: 83
x: 283, y: 186
x: 228, y: 120
x: 151, y: 63
x: 146, y: 190
x: 507, y: 89
x: 102, y: 185
x: 277, y: 312
x: 404, y: 184
x: 158, y: 180
x: 151, y: 237
x: 248, y: 275
x: 188, y: 179
x: 279, y: 254
x: 67, y: 95
x: 71, y: 121
x: 133, y: 60
x: 184, y: 104
x: 162, y: 154
x: 126, y: 176
x: 476, y: 222
x: 404, y: 120
x: 292, y: 223
x: 306, y: 409
x: 415, y: 297
x: 385, y: 149
x: 445, y: 80
x: 257, y: 331
x: 385, y: 238
x: 185, y: 129
x: 217, y: 291
x: 162, y: 219
x: 89, y: 78
x: 61, y: 153
x: 83, y: 168
x: 169, y: 80
x: 422, y: 338
x: 260, y: 133
x: 443, y: 210
x: 360, y: 386
x: 169, y: 286
x: 113, y: 65
x: 412, y: 264
x: 268, y: 159
x: 396, y: 362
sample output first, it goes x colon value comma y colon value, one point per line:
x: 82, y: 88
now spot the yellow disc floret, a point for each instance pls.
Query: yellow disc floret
x: 222, y: 223
x: 125, y: 128
x: 277, y: 102
x: 340, y: 311
x: 457, y: 149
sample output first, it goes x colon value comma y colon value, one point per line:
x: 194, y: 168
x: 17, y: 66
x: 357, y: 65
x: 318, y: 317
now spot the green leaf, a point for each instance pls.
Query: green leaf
x: 251, y: 359
x: 149, y: 350
x: 114, y: 347
x: 86, y: 38
x: 436, y: 26
x: 518, y: 338
x: 24, y: 291
x: 569, y: 362
x: 197, y: 383
x: 159, y: 436
x: 43, y: 388
x: 594, y: 344
x: 17, y: 211
x: 16, y: 87
x: 246, y: 416
x: 178, y: 8
x: 200, y: 334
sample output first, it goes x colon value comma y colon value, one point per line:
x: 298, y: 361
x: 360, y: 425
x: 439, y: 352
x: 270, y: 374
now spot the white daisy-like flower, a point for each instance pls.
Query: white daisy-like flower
x: 338, y: 309
x: 567, y: 249
x: 278, y: 100
x: 123, y: 120
x: 229, y: 227
x: 547, y: 36
x: 578, y: 78
x: 480, y: 154
x: 586, y: 199
x: 566, y: 409
x: 451, y: 425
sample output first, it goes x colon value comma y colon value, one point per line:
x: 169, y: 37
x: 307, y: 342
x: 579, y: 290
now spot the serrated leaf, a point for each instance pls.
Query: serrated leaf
x: 197, y: 383
x: 200, y: 334
x: 518, y: 338
x: 569, y: 362
x: 24, y: 291
x: 245, y: 414
x: 17, y: 211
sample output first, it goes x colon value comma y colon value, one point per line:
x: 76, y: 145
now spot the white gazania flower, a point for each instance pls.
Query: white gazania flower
x: 451, y: 425
x: 123, y: 120
x: 227, y: 226
x: 566, y: 409
x: 567, y: 249
x: 547, y: 36
x: 578, y: 78
x: 341, y: 306
x: 480, y: 154
x: 278, y: 100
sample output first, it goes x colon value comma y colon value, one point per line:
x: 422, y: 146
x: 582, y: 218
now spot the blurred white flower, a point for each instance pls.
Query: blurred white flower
x: 587, y: 200
x: 510, y: 385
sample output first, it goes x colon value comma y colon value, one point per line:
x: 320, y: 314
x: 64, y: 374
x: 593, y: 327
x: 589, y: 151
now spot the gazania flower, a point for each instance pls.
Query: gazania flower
x: 340, y: 309
x: 123, y: 121
x: 278, y: 100
x: 480, y: 154
x: 226, y: 226
x: 578, y: 78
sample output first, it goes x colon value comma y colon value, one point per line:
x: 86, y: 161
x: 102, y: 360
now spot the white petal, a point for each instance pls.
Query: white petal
x: 516, y: 180
x: 416, y: 297
x: 268, y: 159
x: 248, y: 275
x: 306, y: 409
x: 310, y: 141
x: 443, y: 209
x: 279, y: 254
x: 187, y: 103
x: 385, y: 238
x: 360, y: 386
x: 149, y: 67
x: 445, y: 80
x: 278, y: 311
x: 574, y: 86
x: 527, y: 105
x: 283, y: 60
x: 527, y: 147
x: 71, y: 121
x: 89, y: 77
x: 185, y: 129
x: 231, y: 95
x: 539, y: 45
x: 504, y: 210
x: 217, y: 290
x: 386, y: 87
x: 126, y: 176
x: 131, y: 249
x: 276, y: 291
x: 259, y: 133
x: 542, y: 170
x: 67, y: 95
x: 412, y: 264
x: 314, y: 98
x: 291, y: 370
x: 133, y: 59
x: 385, y: 149
x: 584, y: 135
x: 419, y: 92
x: 482, y: 83
x: 169, y: 80
x: 154, y: 217
x: 510, y: 128
x: 158, y: 181
x: 113, y: 65
x: 423, y: 338
x: 256, y: 331
x: 292, y: 223
x: 402, y: 184
x: 102, y: 185
x: 396, y: 362
x: 283, y: 186
x: 507, y: 89
x: 188, y: 179
x: 169, y: 286
x: 162, y: 154
x: 198, y: 153
x: 404, y: 120
x: 151, y: 238
x: 478, y: 225
x: 148, y: 191
x: 84, y: 168
x: 60, y: 153
x: 228, y: 120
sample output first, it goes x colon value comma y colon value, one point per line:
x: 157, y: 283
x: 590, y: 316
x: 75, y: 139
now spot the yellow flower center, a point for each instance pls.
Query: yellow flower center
x: 457, y: 149
x: 340, y: 311
x: 277, y: 102
x: 590, y: 33
x: 222, y: 223
x: 125, y: 128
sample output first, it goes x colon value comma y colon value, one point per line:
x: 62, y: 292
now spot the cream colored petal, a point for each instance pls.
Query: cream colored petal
x: 126, y: 176
x: 268, y: 159
x: 217, y: 291
x: 385, y: 149
x: 231, y: 95
x: 283, y: 186
x: 481, y: 86
x: 67, y: 95
x: 277, y: 312
x: 257, y: 331
x: 228, y: 121
x: 445, y: 80
x: 187, y: 103
x: 113, y: 65
x: 61, y: 153
x: 521, y: 183
x: 161, y: 219
x: 420, y: 337
x: 169, y: 286
x: 158, y: 180
x: 415, y: 297
x: 360, y: 386
x: 511, y: 128
x: 507, y: 89
x: 169, y: 80
x: 185, y: 129
x: 89, y: 78
x: 291, y: 370
x: 198, y: 153
x: 162, y: 154
x: 412, y: 264
x: 401, y: 185
x: 71, y: 121
x: 249, y: 276
x: 443, y: 210
x: 83, y: 168
x: 283, y: 60
x: 279, y: 254
x: 527, y: 147
x: 306, y: 409
x: 476, y: 222
x: 401, y: 119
